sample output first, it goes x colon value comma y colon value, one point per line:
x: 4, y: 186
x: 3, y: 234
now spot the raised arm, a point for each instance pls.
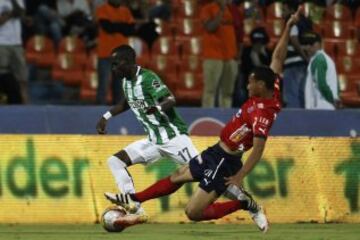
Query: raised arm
x: 280, y: 51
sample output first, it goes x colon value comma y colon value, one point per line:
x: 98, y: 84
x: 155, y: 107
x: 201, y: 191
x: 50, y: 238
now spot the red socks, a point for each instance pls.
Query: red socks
x: 218, y: 210
x: 161, y: 188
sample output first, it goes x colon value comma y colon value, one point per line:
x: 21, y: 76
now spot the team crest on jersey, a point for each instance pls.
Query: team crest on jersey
x: 156, y: 84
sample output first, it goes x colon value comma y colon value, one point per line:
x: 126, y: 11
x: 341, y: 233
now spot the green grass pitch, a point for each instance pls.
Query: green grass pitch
x: 196, y: 231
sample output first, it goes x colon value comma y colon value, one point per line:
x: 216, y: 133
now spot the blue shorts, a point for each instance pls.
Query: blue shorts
x: 210, y: 168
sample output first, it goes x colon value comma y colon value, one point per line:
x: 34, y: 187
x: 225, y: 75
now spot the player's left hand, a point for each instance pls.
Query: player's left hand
x: 101, y: 126
x: 233, y: 180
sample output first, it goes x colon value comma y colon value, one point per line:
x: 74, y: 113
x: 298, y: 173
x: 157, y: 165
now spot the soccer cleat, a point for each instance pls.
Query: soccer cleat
x: 125, y: 201
x: 256, y: 211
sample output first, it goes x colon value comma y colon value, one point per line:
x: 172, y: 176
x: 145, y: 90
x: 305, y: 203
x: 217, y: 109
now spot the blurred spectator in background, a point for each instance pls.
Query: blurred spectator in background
x: 13, y: 69
x: 322, y: 88
x: 252, y: 56
x: 46, y: 19
x: 115, y: 23
x: 77, y: 16
x: 161, y: 10
x: 296, y: 60
x: 219, y: 53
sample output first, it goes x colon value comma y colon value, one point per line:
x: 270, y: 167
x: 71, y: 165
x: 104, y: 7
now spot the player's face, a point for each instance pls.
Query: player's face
x: 121, y: 67
x: 253, y: 86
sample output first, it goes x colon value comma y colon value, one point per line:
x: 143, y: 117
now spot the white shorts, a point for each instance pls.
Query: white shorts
x: 180, y: 149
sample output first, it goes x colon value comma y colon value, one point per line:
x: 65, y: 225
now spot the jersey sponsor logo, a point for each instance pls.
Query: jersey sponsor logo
x: 262, y: 130
x: 137, y: 104
x: 260, y: 105
x: 239, y: 133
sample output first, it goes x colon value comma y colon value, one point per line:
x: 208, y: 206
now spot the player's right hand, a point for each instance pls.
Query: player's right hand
x: 101, y: 126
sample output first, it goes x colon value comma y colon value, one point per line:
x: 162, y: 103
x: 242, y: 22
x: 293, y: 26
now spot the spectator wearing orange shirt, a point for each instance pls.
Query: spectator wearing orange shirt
x: 219, y: 53
x: 116, y: 23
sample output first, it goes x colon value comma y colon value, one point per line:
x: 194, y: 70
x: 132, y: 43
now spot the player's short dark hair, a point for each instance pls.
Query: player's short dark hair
x: 126, y: 52
x: 266, y: 75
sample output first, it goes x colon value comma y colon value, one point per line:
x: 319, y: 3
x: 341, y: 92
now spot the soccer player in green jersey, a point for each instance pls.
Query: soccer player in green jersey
x: 153, y: 105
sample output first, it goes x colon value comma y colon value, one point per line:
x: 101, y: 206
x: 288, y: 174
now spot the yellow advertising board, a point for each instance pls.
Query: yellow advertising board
x: 62, y: 178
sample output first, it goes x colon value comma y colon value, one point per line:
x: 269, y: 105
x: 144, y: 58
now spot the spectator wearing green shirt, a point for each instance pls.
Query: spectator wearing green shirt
x: 321, y: 87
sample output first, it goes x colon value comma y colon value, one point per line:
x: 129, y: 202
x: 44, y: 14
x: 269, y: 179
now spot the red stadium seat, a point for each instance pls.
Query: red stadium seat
x: 337, y: 30
x: 274, y: 29
x: 274, y: 11
x: 349, y: 47
x: 338, y: 12
x: 166, y: 67
x: 329, y: 47
x: 348, y: 65
x: 164, y: 45
x: 189, y: 88
x: 68, y: 70
x: 191, y: 46
x: 189, y: 27
x: 186, y: 9
x: 191, y: 63
x: 350, y: 90
x: 40, y: 51
x: 89, y: 85
x: 75, y: 46
x: 164, y: 28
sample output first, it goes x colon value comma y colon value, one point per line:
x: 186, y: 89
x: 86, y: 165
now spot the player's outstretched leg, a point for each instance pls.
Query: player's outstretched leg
x: 131, y: 202
x: 256, y: 211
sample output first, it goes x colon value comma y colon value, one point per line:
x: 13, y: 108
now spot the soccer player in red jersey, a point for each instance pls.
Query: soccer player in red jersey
x: 219, y: 168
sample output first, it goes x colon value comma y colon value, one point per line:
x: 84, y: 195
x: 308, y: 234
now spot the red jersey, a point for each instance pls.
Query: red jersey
x: 254, y: 118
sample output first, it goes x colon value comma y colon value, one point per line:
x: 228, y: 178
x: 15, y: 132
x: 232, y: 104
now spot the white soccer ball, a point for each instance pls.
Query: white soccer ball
x: 110, y: 216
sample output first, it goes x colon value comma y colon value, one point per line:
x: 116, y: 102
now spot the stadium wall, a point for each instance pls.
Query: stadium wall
x: 61, y: 179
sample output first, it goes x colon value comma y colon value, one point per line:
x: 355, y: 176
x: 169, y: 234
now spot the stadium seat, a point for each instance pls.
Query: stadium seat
x: 189, y: 27
x: 337, y: 30
x: 73, y: 45
x: 338, y: 12
x: 164, y: 45
x: 348, y: 65
x: 164, y: 28
x: 141, y: 49
x: 274, y: 11
x: 191, y: 63
x: 329, y: 47
x: 166, y: 67
x: 349, y: 89
x: 189, y: 88
x: 186, y: 9
x: 191, y: 46
x: 67, y: 69
x: 89, y: 85
x: 40, y: 51
x: 91, y: 61
x: 349, y: 47
x: 274, y: 29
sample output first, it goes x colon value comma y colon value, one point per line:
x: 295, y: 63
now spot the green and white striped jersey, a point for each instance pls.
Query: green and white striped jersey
x: 145, y: 91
